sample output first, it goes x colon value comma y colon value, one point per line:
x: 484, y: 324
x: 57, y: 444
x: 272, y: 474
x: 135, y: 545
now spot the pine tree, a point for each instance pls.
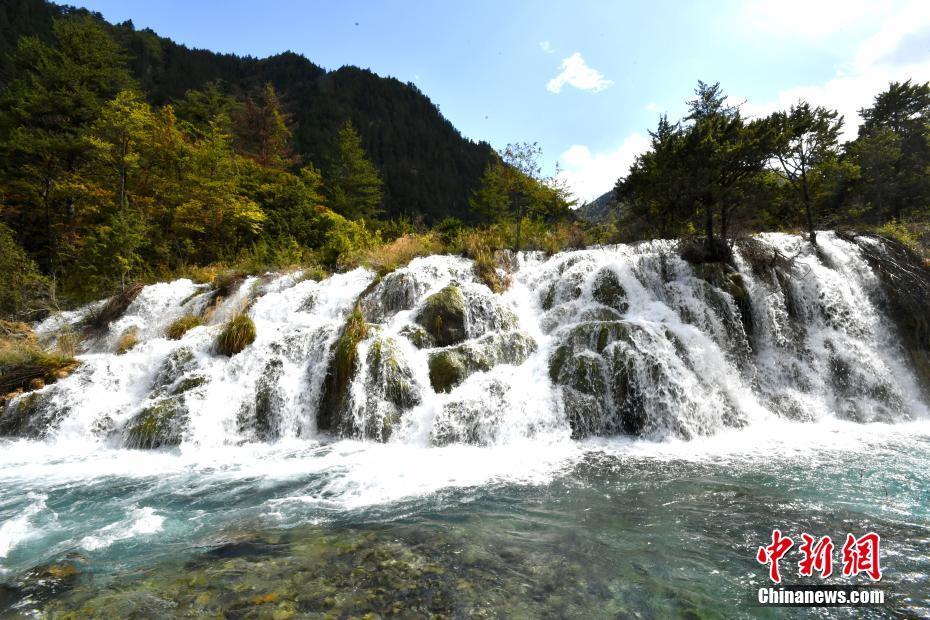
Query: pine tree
x: 353, y: 183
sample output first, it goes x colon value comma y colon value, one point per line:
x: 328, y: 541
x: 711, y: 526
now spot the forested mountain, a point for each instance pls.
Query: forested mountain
x: 429, y: 168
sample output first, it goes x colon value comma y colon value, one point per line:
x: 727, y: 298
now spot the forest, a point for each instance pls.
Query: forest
x: 126, y: 158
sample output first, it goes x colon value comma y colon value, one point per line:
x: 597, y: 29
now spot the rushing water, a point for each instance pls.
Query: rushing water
x: 622, y: 432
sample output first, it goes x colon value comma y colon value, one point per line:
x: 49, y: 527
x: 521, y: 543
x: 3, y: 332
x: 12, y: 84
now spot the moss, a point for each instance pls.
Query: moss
x: 443, y: 316
x: 730, y: 281
x: 607, y: 290
x: 342, y: 369
x: 449, y: 367
x: 446, y: 370
x: 188, y: 383
x: 418, y: 336
x: 181, y: 326
x: 174, y: 366
x: 127, y: 340
x: 32, y: 416
x: 158, y: 425
x: 237, y: 334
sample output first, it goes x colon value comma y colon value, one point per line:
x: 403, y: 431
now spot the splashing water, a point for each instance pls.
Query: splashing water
x: 624, y: 350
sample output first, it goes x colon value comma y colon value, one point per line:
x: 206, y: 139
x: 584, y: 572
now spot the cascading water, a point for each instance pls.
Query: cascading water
x: 448, y: 386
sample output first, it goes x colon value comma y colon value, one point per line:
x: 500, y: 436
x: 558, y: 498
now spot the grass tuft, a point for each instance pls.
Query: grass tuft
x: 182, y: 325
x: 127, y: 340
x: 237, y: 334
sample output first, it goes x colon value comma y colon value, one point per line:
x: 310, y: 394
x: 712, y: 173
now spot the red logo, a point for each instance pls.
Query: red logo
x: 773, y: 553
x: 860, y: 555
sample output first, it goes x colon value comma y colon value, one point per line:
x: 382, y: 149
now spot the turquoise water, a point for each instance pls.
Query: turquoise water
x: 592, y: 529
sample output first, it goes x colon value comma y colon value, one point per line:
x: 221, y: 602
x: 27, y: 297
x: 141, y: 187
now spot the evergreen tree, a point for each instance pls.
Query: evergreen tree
x: 353, y: 183
x: 261, y: 129
x: 806, y: 140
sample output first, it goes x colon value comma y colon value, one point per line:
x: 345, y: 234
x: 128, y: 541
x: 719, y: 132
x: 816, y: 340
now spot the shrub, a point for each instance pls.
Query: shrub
x: 25, y: 294
x: 485, y: 269
x: 181, y: 326
x: 237, y: 334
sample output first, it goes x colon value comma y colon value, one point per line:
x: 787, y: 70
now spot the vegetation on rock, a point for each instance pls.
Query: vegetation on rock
x: 181, y: 326
x: 237, y: 334
x: 443, y: 316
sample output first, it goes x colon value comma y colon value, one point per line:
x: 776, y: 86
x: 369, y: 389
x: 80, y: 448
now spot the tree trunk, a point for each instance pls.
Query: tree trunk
x: 808, y: 211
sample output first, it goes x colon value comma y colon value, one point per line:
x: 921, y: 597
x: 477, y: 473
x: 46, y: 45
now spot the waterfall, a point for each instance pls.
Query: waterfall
x: 620, y: 340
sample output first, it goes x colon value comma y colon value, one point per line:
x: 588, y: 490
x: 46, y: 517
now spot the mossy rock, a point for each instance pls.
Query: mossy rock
x: 32, y: 416
x: 418, y: 336
x: 181, y: 326
x: 127, y: 340
x: 390, y: 390
x: 395, y: 292
x: 261, y: 419
x: 729, y: 280
x: 449, y: 367
x: 178, y: 363
x: 161, y: 424
x: 343, y: 366
x: 607, y: 290
x: 443, y: 316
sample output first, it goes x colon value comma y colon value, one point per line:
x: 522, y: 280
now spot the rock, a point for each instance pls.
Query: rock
x: 390, y: 390
x: 727, y: 279
x: 443, y: 316
x: 31, y: 415
x: 178, y: 363
x: 449, y: 367
x: 395, y: 292
x: 607, y: 290
x: 161, y: 424
x: 418, y: 336
x: 342, y: 369
x: 262, y: 418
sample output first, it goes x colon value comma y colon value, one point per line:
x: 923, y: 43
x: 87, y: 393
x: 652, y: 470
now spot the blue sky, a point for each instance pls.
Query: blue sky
x: 585, y: 79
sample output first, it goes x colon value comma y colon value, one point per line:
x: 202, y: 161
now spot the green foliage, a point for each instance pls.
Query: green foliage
x: 25, y: 294
x: 181, y: 326
x: 237, y: 334
x: 354, y: 184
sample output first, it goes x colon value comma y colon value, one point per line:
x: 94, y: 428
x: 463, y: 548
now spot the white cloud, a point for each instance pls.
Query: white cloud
x: 575, y: 72
x: 811, y: 19
x: 589, y: 175
x: 546, y: 47
x: 896, y: 52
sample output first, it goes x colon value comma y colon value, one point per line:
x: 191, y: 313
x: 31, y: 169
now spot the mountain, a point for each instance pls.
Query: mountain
x: 601, y: 210
x: 429, y: 168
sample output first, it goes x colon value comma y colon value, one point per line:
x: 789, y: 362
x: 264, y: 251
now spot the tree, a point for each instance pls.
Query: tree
x: 806, y: 139
x: 354, y: 184
x: 125, y: 123
x: 893, y: 150
x: 58, y: 92
x: 722, y: 152
x: 513, y: 188
x: 261, y: 129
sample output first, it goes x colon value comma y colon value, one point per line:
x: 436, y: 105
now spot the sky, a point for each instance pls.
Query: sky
x: 584, y: 79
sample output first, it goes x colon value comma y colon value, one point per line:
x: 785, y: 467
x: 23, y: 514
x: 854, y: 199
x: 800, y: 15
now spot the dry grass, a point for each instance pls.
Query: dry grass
x: 237, y: 334
x: 485, y: 269
x: 182, y: 325
x: 113, y: 308
x: 26, y: 366
x: 390, y: 256
x: 127, y: 340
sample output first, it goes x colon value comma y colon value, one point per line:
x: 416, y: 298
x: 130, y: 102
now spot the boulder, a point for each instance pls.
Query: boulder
x: 443, y: 316
x: 449, y: 367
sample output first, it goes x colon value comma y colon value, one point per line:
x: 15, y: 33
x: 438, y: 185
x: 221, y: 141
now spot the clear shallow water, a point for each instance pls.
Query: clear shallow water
x: 488, y: 497
x: 585, y: 528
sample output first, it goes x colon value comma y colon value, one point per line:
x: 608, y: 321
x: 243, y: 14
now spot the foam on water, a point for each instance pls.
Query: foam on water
x: 820, y: 371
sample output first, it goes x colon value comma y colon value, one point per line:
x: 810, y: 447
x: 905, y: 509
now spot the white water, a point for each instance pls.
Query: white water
x: 697, y: 375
